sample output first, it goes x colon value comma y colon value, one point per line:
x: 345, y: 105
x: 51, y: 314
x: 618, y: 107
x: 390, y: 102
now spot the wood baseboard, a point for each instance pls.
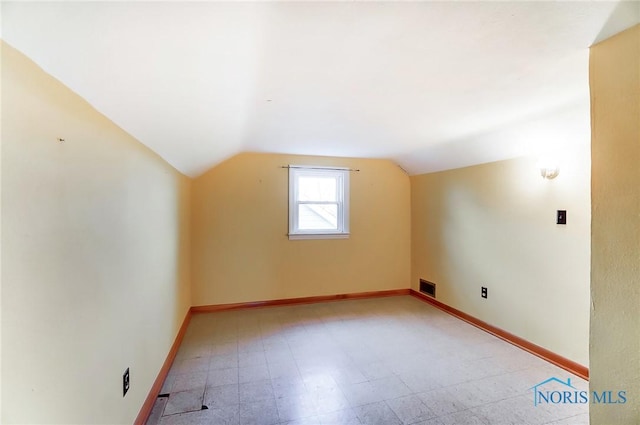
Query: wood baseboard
x: 146, y: 408
x: 543, y: 353
x: 303, y: 300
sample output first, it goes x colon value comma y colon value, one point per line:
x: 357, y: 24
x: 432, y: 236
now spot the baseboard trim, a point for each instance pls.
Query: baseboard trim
x: 303, y: 300
x: 146, y: 408
x: 543, y: 353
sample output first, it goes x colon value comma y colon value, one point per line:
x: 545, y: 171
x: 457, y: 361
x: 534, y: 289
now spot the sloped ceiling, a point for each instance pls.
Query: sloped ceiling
x: 431, y: 86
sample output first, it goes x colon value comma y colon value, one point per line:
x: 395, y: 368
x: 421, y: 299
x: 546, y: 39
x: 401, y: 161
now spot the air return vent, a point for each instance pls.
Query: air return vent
x: 428, y: 288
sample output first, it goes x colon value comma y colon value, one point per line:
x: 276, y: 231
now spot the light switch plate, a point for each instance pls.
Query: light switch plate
x: 562, y: 217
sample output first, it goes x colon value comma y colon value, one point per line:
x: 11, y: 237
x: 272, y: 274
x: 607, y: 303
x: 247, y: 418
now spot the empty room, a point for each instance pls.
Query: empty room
x: 327, y: 213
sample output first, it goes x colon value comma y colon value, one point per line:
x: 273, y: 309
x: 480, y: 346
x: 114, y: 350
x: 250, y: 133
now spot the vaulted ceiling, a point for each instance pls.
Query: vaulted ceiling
x: 431, y: 85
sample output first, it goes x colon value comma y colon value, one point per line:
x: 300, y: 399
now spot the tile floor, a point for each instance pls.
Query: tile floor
x: 384, y: 361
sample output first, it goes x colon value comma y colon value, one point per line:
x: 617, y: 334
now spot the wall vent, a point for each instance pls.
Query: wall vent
x: 428, y: 288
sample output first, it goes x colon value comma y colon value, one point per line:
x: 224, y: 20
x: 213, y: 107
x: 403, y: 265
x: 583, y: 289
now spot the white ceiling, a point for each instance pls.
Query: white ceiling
x: 431, y: 86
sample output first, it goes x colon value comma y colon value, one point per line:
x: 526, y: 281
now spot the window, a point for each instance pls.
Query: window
x: 318, y: 202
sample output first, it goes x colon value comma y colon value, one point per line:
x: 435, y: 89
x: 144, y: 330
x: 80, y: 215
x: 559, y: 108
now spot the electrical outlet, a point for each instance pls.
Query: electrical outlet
x: 125, y: 382
x: 483, y: 292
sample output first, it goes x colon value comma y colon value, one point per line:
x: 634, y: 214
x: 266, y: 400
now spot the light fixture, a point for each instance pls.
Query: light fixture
x: 549, y: 168
x: 550, y: 173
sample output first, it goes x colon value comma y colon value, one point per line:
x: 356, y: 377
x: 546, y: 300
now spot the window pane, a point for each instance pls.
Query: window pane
x: 311, y: 188
x: 318, y: 217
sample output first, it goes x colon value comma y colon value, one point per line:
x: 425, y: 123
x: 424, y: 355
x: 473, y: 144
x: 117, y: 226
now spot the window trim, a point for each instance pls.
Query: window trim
x: 342, y: 201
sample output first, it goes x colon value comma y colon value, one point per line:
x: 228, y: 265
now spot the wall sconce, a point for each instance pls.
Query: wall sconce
x: 549, y: 169
x: 550, y: 173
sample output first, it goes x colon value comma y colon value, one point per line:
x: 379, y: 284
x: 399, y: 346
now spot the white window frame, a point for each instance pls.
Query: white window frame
x: 342, y: 195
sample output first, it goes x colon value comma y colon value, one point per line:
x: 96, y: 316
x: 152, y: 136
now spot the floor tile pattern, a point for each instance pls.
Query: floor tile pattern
x: 384, y: 361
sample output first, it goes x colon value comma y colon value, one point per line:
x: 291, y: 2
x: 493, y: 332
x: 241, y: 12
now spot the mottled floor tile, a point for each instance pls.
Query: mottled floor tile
x: 157, y: 410
x: 168, y: 383
x: 253, y: 373
x: 467, y: 417
x: 387, y: 361
x: 223, y: 361
x: 390, y: 387
x: 376, y: 370
x: 223, y: 415
x: 262, y: 412
x: 410, y: 409
x: 347, y: 375
x: 218, y: 377
x: 256, y: 391
x: 329, y: 400
x: 377, y: 414
x: 225, y: 395
x: 296, y: 407
x: 340, y: 417
x: 283, y: 369
x: 312, y: 420
x: 434, y: 421
x: 251, y: 358
x: 192, y: 365
x: 420, y: 381
x: 361, y: 394
x: 184, y: 401
x: 199, y: 417
x: 442, y: 402
x: 288, y: 386
x: 189, y: 381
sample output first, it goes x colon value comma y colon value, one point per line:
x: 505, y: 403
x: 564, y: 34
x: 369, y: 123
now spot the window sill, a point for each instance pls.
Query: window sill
x: 300, y: 236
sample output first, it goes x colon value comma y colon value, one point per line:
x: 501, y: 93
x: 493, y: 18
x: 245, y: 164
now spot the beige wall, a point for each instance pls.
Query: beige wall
x: 95, y: 274
x: 97, y: 254
x: 615, y: 242
x: 494, y: 225
x: 240, y: 247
